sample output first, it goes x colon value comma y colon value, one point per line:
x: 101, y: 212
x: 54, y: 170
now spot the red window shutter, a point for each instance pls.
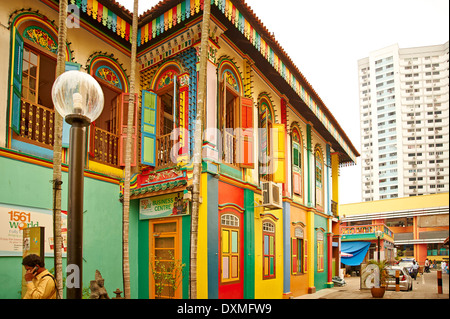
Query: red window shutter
x: 294, y: 255
x: 92, y: 140
x: 297, y: 183
x: 246, y: 154
x: 123, y: 120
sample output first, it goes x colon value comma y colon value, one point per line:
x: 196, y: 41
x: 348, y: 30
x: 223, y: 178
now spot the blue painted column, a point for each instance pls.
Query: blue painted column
x: 213, y: 237
x: 286, y: 247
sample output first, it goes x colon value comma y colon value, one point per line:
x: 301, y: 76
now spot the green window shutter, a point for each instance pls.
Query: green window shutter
x: 66, y: 126
x: 296, y: 154
x: 148, y: 128
x: 17, y: 81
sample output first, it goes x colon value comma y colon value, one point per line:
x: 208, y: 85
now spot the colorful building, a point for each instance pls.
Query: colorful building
x: 412, y: 226
x: 268, y: 224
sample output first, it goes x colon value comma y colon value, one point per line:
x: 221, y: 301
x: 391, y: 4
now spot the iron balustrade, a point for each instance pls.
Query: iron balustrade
x: 106, y: 147
x: 164, y: 150
x: 37, y: 123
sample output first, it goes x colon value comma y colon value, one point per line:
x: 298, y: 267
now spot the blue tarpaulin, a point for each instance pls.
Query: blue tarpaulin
x: 358, y: 250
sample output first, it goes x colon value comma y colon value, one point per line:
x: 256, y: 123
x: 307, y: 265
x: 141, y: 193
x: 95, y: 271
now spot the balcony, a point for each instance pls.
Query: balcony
x: 366, y: 232
x: 334, y: 209
x: 37, y: 124
x: 164, y: 151
x: 106, y: 147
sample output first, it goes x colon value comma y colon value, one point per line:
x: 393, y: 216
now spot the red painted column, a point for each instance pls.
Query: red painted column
x: 330, y: 258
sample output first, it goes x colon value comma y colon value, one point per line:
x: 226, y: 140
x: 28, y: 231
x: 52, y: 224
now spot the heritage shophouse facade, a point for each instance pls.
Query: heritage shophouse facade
x: 265, y: 131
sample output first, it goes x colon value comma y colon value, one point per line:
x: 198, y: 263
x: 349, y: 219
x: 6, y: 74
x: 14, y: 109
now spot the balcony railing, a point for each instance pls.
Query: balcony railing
x: 334, y: 209
x: 229, y: 148
x: 37, y: 123
x: 106, y: 147
x: 164, y: 146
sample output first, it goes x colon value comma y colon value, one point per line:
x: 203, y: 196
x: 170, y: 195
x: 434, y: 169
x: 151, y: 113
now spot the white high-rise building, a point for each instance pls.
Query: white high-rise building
x: 404, y: 109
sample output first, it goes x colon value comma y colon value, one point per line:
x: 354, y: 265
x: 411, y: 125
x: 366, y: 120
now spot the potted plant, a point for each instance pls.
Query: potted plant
x: 380, y: 285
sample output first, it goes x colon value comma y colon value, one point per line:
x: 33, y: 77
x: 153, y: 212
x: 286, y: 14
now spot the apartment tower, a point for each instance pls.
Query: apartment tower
x: 404, y: 108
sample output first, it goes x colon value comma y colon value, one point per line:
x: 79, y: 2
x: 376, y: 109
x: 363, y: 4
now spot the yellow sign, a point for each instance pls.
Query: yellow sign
x: 33, y: 243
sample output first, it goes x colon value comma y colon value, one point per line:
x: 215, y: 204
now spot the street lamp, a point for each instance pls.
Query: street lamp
x: 378, y: 234
x: 78, y: 98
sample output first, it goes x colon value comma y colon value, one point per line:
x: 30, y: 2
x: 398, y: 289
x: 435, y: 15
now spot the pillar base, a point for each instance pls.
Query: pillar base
x: 287, y: 295
x: 330, y: 284
x: 311, y: 290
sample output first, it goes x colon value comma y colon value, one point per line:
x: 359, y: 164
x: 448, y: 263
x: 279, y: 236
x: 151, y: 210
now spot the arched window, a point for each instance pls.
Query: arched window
x: 297, y: 251
x: 230, y: 220
x: 229, y: 110
x: 165, y: 108
x: 108, y: 132
x: 269, y: 259
x: 320, y: 251
x: 297, y: 162
x: 33, y: 57
x: 319, y: 177
x: 166, y: 88
x: 235, y: 118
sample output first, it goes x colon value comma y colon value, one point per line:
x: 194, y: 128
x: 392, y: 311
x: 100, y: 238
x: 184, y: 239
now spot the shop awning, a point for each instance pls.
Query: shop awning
x: 358, y: 250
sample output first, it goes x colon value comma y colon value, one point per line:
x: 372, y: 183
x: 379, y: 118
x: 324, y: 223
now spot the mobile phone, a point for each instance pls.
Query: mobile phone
x: 35, y: 269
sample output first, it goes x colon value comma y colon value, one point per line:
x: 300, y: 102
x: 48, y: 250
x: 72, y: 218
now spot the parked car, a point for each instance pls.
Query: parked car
x: 407, y: 263
x: 406, y: 282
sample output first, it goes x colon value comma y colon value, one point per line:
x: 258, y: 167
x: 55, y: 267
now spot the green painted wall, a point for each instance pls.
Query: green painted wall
x: 320, y: 278
x: 186, y: 253
x: 25, y: 184
x: 135, y: 245
x: 141, y: 282
x: 249, y: 244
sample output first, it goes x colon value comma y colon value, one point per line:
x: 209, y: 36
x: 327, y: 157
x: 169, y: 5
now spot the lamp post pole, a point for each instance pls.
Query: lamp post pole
x: 77, y: 156
x: 378, y: 248
x: 78, y: 97
x: 378, y: 233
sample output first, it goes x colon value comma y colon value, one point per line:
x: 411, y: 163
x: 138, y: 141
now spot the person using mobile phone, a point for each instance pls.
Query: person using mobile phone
x: 40, y: 282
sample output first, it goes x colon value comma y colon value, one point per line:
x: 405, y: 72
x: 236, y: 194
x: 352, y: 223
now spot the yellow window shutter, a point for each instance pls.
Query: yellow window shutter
x: 279, y: 157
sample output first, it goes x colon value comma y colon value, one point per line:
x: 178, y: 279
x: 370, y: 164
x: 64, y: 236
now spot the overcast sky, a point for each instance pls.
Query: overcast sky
x: 326, y: 38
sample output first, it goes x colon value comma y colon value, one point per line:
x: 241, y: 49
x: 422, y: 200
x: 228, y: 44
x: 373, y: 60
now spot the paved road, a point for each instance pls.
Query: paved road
x: 425, y: 287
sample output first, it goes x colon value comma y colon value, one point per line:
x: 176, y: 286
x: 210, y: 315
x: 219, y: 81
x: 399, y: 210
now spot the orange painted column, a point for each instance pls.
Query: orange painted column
x: 439, y: 281
x: 416, y: 236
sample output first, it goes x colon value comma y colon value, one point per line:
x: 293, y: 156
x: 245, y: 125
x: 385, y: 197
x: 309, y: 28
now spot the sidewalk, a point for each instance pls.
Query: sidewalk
x: 425, y: 287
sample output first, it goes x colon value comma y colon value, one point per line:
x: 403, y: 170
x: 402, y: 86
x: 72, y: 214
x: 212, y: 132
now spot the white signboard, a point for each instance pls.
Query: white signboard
x: 13, y: 219
x: 370, y: 276
x: 170, y: 205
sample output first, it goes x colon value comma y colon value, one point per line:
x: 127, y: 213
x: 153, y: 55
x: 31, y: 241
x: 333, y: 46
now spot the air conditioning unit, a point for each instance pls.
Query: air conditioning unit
x: 272, y: 196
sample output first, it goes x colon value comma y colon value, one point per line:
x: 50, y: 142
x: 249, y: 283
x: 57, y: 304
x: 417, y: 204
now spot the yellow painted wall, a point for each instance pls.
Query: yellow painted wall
x: 202, y: 244
x: 105, y: 169
x: 396, y: 204
x: 269, y: 288
x: 311, y: 246
x: 299, y: 283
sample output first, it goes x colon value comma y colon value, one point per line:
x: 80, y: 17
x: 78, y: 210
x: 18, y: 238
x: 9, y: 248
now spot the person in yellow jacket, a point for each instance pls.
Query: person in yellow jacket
x: 40, y: 282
